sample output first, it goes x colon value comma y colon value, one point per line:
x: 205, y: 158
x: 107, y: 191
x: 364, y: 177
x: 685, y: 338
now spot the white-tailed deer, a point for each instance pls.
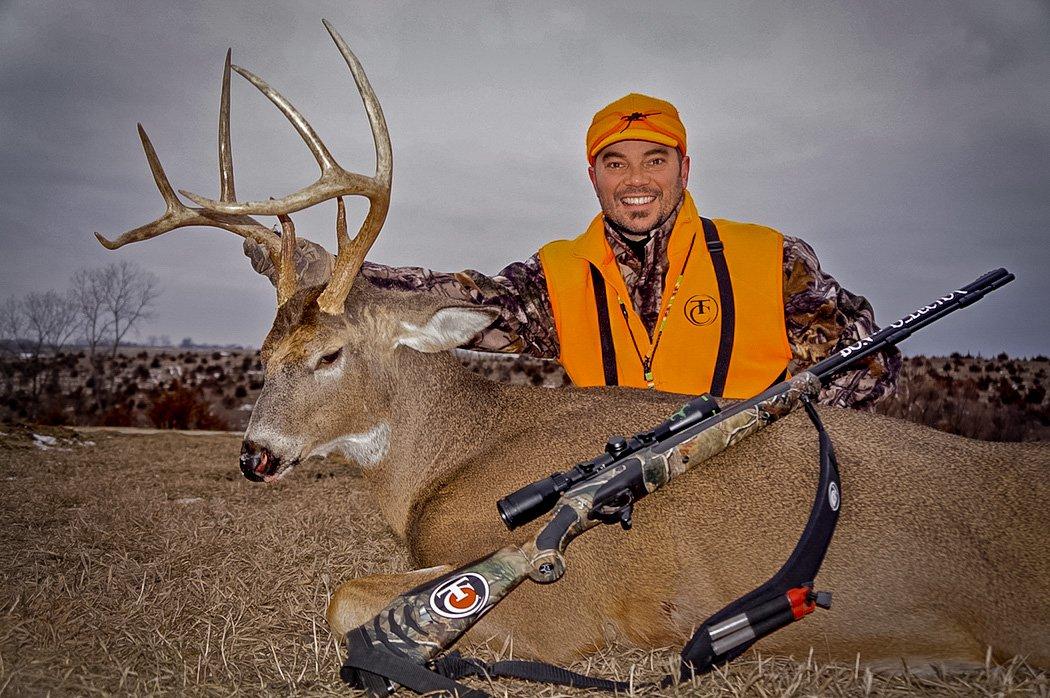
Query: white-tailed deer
x: 942, y: 549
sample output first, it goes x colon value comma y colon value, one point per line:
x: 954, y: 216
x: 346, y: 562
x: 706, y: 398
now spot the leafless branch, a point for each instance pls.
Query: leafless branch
x: 51, y: 320
x: 127, y: 294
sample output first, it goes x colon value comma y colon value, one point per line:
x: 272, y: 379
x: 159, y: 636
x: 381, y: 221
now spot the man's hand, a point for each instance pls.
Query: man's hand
x: 313, y: 263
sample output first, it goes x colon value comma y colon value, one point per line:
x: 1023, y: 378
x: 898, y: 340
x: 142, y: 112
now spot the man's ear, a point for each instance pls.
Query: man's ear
x: 447, y: 328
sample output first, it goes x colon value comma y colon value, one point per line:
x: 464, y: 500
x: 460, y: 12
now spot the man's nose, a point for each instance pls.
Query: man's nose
x: 637, y: 176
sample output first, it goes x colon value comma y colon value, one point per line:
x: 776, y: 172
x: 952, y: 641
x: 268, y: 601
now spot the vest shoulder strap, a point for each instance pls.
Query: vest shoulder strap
x: 725, y: 296
x: 601, y: 305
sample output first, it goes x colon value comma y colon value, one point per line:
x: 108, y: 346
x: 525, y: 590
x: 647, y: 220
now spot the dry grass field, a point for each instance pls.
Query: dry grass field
x: 144, y: 563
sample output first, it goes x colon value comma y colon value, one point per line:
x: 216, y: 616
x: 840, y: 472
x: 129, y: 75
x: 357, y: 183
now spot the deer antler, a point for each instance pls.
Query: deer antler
x: 334, y: 181
x: 178, y: 215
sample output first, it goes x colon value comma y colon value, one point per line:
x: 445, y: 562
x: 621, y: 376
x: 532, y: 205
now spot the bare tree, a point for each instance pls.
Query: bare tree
x: 90, y: 287
x: 52, y: 319
x: 12, y: 325
x: 12, y: 341
x: 128, y: 293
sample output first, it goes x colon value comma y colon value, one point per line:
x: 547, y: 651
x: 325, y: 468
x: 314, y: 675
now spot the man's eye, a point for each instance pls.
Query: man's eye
x: 613, y: 165
x: 656, y: 162
x: 328, y: 359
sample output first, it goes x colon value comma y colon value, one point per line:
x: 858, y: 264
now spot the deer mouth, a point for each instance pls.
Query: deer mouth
x: 261, y: 465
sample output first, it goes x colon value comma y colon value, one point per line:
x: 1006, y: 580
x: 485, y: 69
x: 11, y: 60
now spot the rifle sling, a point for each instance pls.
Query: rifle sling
x: 753, y: 616
x: 702, y: 653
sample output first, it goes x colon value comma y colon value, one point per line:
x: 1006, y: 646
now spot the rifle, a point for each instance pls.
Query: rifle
x: 395, y: 647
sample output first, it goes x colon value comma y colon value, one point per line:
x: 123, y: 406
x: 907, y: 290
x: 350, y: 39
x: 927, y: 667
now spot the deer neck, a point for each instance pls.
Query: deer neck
x: 438, y: 407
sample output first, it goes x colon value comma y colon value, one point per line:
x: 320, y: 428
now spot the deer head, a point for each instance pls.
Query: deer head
x: 332, y: 348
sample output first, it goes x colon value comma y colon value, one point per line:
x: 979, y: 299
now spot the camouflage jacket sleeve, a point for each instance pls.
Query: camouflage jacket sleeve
x: 526, y: 324
x: 822, y: 317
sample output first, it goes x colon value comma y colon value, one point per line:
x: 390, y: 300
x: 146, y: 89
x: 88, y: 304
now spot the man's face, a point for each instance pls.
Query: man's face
x: 639, y: 183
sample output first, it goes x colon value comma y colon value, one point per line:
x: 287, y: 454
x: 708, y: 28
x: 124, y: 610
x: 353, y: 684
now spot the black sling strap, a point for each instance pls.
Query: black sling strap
x: 728, y: 307
x: 731, y: 631
x: 601, y: 303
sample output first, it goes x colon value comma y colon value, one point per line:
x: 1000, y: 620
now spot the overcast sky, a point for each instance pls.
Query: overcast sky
x: 909, y: 143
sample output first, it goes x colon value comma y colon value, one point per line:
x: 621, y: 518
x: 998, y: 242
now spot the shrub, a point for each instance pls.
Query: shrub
x: 119, y: 415
x: 1008, y: 394
x: 183, y: 407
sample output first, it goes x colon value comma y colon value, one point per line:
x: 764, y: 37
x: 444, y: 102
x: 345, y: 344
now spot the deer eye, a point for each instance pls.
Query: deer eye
x: 329, y: 359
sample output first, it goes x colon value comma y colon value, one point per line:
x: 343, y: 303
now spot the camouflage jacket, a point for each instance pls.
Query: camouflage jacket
x: 821, y: 316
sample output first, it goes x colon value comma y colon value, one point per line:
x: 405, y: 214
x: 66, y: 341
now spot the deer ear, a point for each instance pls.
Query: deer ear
x: 446, y: 329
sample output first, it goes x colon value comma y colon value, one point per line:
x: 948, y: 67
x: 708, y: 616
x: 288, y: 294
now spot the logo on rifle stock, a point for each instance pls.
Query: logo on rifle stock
x: 460, y: 597
x: 701, y: 310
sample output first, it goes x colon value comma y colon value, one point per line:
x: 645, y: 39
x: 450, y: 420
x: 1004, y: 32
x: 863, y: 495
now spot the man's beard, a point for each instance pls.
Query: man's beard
x: 624, y: 229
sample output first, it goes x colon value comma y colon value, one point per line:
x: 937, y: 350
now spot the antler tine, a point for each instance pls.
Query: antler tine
x: 226, y: 188
x: 286, y: 278
x: 380, y: 133
x: 334, y: 180
x: 177, y: 215
x: 351, y: 253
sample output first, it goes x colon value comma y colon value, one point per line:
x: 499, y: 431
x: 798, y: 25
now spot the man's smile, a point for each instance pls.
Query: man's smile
x: 637, y: 200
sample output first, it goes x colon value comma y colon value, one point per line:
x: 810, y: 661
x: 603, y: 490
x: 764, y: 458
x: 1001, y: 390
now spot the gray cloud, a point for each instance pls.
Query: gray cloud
x: 908, y: 143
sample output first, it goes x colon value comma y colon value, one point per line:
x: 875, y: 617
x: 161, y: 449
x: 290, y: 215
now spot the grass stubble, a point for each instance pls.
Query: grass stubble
x: 145, y: 564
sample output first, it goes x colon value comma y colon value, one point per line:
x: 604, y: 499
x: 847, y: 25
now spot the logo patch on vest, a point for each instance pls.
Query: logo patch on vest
x: 701, y: 310
x: 461, y: 596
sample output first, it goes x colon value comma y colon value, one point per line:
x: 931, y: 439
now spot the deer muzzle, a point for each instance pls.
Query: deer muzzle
x: 258, y: 462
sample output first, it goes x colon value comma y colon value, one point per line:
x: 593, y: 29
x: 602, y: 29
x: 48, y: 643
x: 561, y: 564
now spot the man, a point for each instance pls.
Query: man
x: 652, y: 294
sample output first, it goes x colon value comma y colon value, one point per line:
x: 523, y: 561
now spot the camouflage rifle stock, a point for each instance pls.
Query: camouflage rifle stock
x: 417, y: 626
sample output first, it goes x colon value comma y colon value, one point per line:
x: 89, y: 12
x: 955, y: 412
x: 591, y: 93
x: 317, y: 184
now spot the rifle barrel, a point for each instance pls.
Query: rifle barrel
x: 902, y: 329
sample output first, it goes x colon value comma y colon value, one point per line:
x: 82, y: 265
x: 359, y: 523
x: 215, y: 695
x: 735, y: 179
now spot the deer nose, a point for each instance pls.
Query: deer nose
x: 256, y: 461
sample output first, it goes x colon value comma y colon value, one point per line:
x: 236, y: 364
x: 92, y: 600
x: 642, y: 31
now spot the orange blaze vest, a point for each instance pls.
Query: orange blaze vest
x: 684, y: 361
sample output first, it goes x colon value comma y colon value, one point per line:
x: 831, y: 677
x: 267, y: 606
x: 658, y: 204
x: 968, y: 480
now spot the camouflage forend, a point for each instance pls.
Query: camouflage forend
x: 730, y: 427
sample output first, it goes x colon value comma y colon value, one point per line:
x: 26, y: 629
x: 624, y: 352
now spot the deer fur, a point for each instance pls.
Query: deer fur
x: 941, y: 551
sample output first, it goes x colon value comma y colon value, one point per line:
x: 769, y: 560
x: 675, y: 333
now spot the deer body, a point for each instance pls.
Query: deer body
x: 941, y: 549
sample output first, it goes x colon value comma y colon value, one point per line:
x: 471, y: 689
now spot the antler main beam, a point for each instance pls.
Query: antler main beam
x: 178, y: 215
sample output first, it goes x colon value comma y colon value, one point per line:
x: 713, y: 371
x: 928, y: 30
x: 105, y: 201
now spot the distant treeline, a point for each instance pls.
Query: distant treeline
x: 997, y: 399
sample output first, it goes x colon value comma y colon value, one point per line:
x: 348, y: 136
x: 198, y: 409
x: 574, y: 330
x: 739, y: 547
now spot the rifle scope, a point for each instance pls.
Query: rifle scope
x: 537, y: 498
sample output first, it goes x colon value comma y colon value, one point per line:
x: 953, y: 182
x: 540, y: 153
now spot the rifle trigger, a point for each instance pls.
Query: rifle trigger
x: 625, y: 517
